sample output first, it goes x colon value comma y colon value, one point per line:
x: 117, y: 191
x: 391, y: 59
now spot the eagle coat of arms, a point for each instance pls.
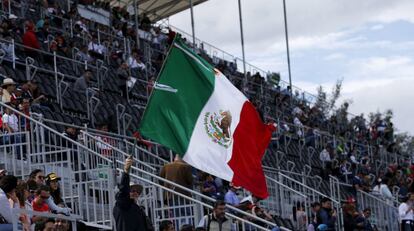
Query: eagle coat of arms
x: 217, y: 126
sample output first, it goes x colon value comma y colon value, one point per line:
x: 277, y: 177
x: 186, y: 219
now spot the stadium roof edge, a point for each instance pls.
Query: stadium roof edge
x: 157, y: 9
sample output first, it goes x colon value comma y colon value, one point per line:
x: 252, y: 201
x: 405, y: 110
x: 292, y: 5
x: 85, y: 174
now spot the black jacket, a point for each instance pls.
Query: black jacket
x: 128, y: 215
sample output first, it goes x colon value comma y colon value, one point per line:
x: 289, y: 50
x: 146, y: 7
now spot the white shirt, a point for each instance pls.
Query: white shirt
x: 383, y: 190
x: 353, y: 159
x: 96, y: 47
x: 297, y: 111
x: 403, y: 213
x: 133, y: 63
x: 12, y: 121
x: 5, y: 209
x: 324, y: 156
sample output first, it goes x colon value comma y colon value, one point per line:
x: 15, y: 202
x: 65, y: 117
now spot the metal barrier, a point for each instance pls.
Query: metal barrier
x: 183, y: 205
x: 312, y: 194
x: 384, y: 213
x: 63, y: 222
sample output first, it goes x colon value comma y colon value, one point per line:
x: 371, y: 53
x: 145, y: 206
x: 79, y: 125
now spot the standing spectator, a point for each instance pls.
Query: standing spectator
x: 216, y: 221
x: 123, y: 77
x: 406, y: 214
x: 326, y: 214
x: 10, y: 126
x: 9, y: 86
x: 180, y: 173
x: 30, y: 41
x: 128, y: 215
x: 8, y: 186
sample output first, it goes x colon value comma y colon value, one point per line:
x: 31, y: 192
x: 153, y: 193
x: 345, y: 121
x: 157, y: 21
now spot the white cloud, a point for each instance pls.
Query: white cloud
x: 378, y: 73
x: 334, y: 56
x: 377, y: 27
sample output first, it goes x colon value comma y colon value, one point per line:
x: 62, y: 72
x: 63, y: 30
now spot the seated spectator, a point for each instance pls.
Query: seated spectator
x: 30, y: 41
x: 187, y: 227
x: 95, y: 48
x: 209, y: 187
x: 166, y: 226
x: 37, y: 176
x: 22, y: 193
x: 3, y: 172
x: 299, y: 217
x: 325, y: 157
x: 9, y: 86
x: 231, y: 197
x: 83, y: 82
x: 103, y: 142
x: 8, y: 186
x: 7, y: 47
x: 10, y: 125
x: 313, y: 224
x: 382, y: 188
x: 363, y: 219
x: 83, y: 55
x: 134, y: 61
x: 217, y: 220
x: 326, y: 214
x: 52, y: 180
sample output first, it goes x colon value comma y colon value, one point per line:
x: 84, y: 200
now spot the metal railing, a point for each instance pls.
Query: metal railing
x: 384, y: 213
x: 63, y: 222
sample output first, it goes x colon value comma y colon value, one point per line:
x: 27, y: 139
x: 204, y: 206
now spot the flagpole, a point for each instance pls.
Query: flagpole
x: 242, y: 45
x: 287, y: 45
x: 159, y: 73
x: 192, y: 25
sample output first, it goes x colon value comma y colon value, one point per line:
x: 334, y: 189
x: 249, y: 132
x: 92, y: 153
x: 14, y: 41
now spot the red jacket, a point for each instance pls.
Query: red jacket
x: 30, y: 40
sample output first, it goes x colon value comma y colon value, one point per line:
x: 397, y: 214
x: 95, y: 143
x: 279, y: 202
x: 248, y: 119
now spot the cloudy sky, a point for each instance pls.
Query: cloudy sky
x: 370, y: 44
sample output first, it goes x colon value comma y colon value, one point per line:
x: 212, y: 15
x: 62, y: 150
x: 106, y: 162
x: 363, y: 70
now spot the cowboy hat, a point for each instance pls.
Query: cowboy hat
x: 8, y: 81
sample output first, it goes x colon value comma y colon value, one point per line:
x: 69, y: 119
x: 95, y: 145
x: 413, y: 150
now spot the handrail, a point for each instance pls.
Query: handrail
x: 281, y: 184
x: 209, y: 206
x: 191, y: 191
x: 146, y: 151
x: 309, y: 188
x: 53, y: 131
x: 118, y: 150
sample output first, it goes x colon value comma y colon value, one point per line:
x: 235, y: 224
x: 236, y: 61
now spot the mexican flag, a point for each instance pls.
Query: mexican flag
x: 196, y: 111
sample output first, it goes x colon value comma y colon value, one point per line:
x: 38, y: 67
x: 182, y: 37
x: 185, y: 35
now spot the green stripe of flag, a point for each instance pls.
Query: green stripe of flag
x: 183, y: 88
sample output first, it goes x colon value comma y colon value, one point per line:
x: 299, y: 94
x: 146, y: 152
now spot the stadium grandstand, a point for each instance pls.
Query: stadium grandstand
x: 76, y: 79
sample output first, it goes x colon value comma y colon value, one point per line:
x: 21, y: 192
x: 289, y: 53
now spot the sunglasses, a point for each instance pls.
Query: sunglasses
x: 41, y: 177
x: 134, y: 191
x: 44, y: 197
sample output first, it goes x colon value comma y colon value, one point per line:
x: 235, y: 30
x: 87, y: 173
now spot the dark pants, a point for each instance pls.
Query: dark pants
x: 407, y: 225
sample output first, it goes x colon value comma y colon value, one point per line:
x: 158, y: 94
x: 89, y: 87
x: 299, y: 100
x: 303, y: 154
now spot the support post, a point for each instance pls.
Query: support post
x: 136, y: 22
x: 287, y: 46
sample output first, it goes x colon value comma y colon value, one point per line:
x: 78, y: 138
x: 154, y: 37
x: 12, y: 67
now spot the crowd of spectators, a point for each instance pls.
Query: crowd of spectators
x: 38, y: 193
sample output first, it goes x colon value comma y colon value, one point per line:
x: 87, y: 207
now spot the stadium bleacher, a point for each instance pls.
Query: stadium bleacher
x: 87, y: 160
